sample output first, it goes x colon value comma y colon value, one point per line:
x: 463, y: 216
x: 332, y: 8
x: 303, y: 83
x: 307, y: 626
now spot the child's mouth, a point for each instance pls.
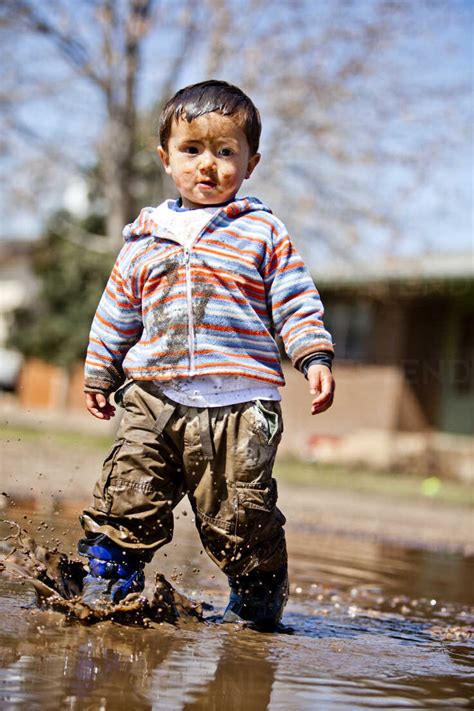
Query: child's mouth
x: 207, y: 184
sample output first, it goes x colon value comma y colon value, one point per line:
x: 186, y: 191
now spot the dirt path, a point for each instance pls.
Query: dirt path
x: 421, y: 524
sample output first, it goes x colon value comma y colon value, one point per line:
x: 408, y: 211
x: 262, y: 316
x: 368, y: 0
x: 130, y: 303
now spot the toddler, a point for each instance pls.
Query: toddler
x: 184, y: 335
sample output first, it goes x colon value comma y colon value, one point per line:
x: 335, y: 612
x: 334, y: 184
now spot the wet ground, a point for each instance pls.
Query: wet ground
x: 370, y: 625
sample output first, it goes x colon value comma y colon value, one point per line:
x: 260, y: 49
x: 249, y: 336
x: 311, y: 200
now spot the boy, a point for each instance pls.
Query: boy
x: 188, y: 317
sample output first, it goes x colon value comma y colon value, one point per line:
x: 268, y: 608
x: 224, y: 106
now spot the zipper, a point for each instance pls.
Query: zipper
x: 189, y: 296
x: 189, y: 303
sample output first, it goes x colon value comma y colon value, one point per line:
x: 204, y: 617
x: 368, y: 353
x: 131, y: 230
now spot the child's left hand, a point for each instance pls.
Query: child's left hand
x: 321, y: 384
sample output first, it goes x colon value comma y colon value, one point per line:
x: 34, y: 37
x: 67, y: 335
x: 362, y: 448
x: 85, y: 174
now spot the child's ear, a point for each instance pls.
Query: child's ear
x: 252, y: 164
x: 165, y: 159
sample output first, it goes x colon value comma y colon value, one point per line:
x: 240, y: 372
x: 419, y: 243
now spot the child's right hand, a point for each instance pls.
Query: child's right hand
x: 99, y: 406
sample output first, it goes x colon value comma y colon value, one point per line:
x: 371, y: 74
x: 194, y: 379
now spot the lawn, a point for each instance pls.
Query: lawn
x: 389, y: 484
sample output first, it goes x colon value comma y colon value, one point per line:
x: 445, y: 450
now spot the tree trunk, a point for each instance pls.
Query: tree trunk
x: 117, y: 148
x: 117, y: 171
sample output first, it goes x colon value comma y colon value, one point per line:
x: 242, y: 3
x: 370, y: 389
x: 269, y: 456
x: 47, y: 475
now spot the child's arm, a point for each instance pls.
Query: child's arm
x: 297, y: 314
x: 116, y: 327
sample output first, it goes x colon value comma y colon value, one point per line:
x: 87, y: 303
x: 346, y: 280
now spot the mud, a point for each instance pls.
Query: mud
x: 369, y: 624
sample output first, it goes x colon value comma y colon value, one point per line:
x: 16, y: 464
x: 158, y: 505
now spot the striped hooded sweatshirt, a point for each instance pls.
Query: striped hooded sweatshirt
x: 210, y: 308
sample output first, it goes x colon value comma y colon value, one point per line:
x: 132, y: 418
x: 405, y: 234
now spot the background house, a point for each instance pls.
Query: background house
x: 416, y: 316
x: 404, y: 335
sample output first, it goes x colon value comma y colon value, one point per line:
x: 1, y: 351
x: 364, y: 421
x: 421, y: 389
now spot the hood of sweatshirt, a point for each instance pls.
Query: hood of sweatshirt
x: 146, y: 223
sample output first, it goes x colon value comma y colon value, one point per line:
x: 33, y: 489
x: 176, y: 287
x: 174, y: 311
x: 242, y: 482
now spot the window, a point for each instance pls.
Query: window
x: 349, y: 324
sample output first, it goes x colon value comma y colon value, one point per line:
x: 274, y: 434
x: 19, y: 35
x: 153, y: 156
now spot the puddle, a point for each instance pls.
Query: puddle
x: 373, y: 626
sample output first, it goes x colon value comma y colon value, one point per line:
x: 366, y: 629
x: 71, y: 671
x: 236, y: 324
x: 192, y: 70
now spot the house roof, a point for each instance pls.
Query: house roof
x: 428, y: 268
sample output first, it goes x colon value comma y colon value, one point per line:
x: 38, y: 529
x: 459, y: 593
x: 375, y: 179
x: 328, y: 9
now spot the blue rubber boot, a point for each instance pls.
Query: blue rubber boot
x: 258, y: 598
x: 114, y: 572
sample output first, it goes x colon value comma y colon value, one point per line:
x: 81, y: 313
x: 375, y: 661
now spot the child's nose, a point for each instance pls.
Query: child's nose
x: 207, y: 161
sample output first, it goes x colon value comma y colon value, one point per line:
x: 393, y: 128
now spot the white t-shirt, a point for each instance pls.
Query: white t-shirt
x: 183, y: 226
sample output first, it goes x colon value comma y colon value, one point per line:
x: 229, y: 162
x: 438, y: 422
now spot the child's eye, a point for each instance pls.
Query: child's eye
x: 192, y: 150
x: 225, y: 152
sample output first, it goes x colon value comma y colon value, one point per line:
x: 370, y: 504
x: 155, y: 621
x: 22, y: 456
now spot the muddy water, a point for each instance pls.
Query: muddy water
x: 369, y: 626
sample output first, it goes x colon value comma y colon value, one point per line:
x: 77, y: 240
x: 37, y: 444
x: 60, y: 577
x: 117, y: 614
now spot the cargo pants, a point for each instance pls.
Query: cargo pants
x: 221, y: 457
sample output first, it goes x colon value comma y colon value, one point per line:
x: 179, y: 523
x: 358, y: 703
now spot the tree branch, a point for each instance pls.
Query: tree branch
x: 68, y: 44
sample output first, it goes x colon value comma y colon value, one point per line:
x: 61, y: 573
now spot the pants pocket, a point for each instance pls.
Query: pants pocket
x: 258, y: 518
x: 247, y: 532
x: 102, y: 498
x: 259, y: 496
x: 126, y: 487
x: 265, y: 421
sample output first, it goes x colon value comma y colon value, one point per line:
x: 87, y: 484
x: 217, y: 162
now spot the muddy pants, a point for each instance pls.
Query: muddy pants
x: 221, y: 457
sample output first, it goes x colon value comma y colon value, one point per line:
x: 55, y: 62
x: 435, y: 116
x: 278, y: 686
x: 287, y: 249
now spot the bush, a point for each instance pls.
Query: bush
x: 71, y: 278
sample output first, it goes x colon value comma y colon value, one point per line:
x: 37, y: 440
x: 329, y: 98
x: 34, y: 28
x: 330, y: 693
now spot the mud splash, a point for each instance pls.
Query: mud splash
x: 57, y: 581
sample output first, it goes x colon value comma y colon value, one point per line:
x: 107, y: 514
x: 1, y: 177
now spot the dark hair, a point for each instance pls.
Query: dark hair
x: 198, y: 99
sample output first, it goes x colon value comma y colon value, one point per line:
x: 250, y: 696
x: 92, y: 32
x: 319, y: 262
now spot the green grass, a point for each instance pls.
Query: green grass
x: 389, y: 484
x: 60, y: 437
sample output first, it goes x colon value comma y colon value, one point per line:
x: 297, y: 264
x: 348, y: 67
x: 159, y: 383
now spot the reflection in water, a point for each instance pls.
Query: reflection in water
x: 228, y: 672
x: 374, y: 626
x: 98, y: 668
x: 76, y: 667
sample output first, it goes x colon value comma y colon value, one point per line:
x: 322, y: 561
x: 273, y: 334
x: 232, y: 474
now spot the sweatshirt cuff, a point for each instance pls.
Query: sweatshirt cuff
x: 320, y: 358
x: 100, y: 387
